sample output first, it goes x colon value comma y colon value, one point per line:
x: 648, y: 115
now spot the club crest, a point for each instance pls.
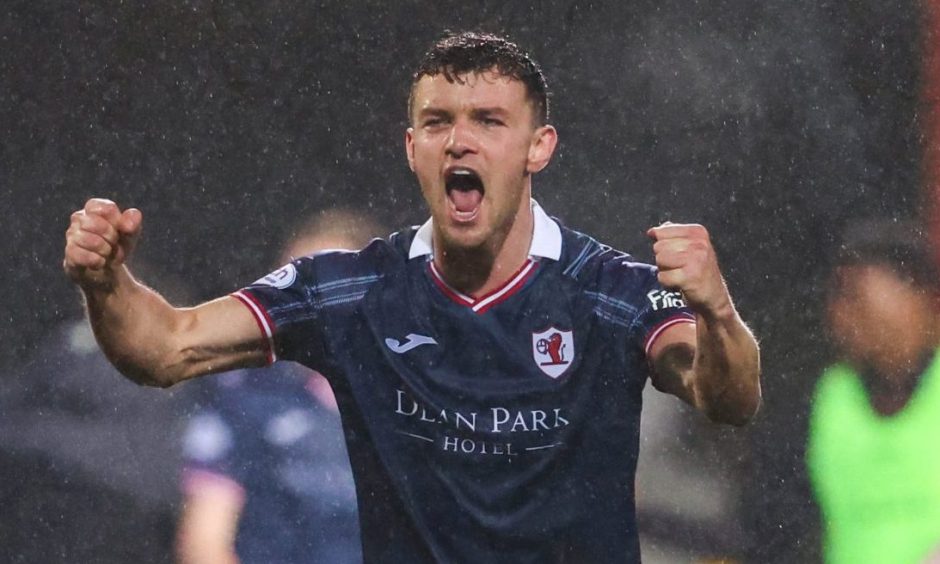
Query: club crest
x: 553, y: 351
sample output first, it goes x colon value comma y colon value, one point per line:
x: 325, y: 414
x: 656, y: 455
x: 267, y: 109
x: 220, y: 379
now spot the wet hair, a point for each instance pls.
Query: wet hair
x: 458, y: 54
x: 900, y: 246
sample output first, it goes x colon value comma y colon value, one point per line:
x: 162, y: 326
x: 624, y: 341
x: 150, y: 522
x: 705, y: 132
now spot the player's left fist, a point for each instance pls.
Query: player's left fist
x: 687, y: 262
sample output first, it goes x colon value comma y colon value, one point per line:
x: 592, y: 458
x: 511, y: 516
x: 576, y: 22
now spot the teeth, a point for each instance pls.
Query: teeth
x: 460, y: 172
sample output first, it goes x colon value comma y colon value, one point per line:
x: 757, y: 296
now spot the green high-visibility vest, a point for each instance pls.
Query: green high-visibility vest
x: 877, y: 479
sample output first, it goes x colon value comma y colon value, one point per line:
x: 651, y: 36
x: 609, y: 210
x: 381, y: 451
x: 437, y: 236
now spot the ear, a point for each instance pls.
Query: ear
x: 410, y: 147
x: 541, y: 148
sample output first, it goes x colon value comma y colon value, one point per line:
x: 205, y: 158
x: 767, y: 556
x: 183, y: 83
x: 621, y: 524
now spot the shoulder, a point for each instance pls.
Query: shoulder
x: 376, y: 258
x: 332, y: 276
x: 836, y: 380
x: 592, y: 262
x: 616, y: 287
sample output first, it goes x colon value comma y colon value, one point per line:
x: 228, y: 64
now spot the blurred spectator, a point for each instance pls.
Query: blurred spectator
x: 872, y: 453
x: 266, y: 476
x: 87, y: 457
x: 686, y: 504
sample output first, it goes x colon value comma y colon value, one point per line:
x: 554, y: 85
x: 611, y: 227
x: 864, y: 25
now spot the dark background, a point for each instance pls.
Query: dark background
x: 773, y: 123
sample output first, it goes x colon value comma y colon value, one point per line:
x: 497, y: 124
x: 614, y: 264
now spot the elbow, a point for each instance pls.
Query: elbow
x: 161, y: 382
x: 734, y: 417
x: 149, y: 378
x: 154, y: 373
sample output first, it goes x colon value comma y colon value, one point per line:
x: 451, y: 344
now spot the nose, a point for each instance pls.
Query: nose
x: 461, y: 140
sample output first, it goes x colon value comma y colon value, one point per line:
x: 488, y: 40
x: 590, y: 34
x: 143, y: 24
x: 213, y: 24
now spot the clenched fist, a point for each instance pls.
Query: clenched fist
x: 99, y: 239
x: 687, y: 262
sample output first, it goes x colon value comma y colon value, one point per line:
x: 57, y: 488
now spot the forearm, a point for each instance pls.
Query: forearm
x: 208, y: 525
x: 155, y: 344
x: 726, y: 368
x: 206, y: 553
x: 146, y: 338
x: 203, y: 542
x: 134, y: 327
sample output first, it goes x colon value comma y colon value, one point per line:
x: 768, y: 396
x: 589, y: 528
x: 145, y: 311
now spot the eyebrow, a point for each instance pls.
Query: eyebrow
x: 489, y: 111
x: 475, y: 112
x: 433, y: 112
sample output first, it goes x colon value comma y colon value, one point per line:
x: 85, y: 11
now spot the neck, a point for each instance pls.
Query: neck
x: 477, y: 271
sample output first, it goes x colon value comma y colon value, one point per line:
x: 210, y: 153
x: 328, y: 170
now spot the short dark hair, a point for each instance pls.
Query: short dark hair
x: 898, y: 245
x: 457, y: 54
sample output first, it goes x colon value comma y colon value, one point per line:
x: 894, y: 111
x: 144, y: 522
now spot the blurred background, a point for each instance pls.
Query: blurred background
x: 773, y: 123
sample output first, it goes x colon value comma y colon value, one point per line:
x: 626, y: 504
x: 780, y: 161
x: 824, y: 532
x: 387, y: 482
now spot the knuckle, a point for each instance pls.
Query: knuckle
x: 92, y: 242
x: 86, y: 259
x: 100, y: 206
x: 87, y: 220
x: 73, y: 257
x: 93, y: 223
x: 670, y: 278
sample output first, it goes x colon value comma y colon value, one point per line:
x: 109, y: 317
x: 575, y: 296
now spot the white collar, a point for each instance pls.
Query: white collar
x: 546, y: 237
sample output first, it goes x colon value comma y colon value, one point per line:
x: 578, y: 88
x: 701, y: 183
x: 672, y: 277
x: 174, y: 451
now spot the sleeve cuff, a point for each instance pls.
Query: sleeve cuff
x: 657, y: 331
x: 262, y: 319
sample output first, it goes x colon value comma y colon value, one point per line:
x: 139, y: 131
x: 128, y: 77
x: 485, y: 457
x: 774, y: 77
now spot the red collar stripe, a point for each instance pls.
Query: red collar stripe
x: 489, y: 300
x: 451, y: 293
x: 508, y: 289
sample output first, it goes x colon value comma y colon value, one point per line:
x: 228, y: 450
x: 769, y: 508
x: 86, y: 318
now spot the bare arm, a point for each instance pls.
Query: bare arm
x: 207, y: 527
x: 147, y: 339
x: 715, y: 364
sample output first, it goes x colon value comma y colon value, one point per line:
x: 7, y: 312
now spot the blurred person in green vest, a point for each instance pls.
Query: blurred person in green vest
x: 874, y: 442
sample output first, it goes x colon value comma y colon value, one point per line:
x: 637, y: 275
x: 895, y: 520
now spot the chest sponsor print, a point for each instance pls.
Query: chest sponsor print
x: 553, y: 351
x: 494, y: 430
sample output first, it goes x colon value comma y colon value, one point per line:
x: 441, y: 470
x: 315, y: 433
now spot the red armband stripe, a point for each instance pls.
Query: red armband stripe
x: 661, y: 327
x: 262, y: 319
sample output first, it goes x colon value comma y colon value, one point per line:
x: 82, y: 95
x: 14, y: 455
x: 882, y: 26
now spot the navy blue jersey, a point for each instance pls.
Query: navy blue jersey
x: 265, y: 434
x: 497, y: 429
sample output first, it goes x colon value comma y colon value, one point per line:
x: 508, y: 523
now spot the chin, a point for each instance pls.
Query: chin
x: 464, y: 237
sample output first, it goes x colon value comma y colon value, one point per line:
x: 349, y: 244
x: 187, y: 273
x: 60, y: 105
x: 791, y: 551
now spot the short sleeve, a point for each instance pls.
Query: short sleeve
x: 654, y: 309
x: 284, y: 305
x: 661, y: 309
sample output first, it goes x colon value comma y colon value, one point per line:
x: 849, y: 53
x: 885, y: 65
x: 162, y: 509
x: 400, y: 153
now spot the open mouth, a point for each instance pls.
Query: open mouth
x: 465, y: 192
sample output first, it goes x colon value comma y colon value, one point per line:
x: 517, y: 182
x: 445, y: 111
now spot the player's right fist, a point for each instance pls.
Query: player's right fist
x: 100, y: 237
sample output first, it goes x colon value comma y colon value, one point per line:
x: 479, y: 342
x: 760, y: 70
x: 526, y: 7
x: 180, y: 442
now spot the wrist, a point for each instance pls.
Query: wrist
x: 101, y: 283
x: 721, y: 312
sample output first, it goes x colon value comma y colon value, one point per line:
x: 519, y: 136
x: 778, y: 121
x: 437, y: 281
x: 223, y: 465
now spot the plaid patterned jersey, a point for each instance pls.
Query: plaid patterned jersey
x: 498, y: 428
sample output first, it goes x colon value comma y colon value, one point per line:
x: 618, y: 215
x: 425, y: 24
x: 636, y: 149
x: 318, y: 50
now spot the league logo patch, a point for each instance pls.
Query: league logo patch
x: 553, y: 351
x: 280, y: 278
